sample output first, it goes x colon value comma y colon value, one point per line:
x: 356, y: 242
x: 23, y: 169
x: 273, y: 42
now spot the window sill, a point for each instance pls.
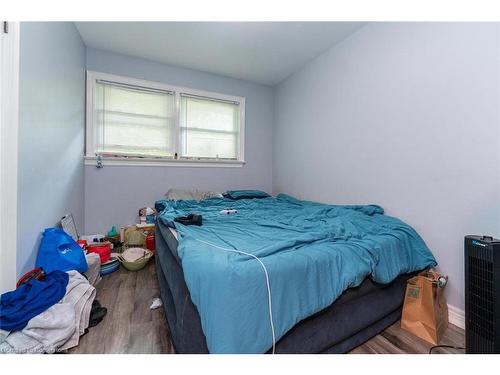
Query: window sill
x: 157, y: 162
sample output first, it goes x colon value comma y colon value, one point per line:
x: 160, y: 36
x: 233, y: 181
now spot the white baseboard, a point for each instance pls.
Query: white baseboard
x: 456, y: 316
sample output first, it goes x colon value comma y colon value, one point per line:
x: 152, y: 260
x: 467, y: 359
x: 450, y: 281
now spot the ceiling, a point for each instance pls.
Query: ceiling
x: 261, y: 52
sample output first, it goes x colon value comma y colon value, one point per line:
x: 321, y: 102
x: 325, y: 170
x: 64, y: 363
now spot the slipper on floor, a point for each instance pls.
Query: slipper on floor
x: 97, y: 315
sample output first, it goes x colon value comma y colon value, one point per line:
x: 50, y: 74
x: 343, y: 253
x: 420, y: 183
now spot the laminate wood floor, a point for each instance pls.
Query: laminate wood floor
x: 395, y: 340
x: 131, y: 327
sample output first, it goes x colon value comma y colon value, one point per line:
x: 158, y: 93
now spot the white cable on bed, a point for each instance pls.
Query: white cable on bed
x: 267, y: 281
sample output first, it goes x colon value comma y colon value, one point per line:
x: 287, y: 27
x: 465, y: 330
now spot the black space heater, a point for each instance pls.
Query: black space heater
x: 482, y: 295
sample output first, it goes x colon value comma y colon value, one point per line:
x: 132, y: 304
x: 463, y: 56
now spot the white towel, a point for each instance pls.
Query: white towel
x: 60, y: 326
x: 80, y: 294
x: 44, y: 333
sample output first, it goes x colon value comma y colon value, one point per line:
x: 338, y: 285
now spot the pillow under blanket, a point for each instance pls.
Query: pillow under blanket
x: 198, y: 195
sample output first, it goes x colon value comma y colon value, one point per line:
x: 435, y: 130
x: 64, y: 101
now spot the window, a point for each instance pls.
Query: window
x: 142, y: 121
x: 209, y: 128
x: 133, y: 121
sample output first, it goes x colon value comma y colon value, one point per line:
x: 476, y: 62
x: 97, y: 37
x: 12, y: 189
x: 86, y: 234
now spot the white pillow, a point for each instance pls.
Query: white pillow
x: 182, y: 194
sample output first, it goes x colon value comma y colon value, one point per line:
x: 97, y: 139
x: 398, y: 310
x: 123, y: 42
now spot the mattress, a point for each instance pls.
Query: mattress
x: 275, y: 261
x: 356, y: 316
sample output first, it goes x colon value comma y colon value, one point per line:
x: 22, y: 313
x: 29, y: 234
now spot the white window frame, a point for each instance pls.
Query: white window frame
x: 90, y: 155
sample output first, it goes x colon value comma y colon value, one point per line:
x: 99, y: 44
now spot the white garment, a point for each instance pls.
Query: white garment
x: 44, y: 333
x: 80, y: 294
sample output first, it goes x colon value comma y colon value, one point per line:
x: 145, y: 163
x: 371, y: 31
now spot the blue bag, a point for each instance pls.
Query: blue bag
x: 58, y: 251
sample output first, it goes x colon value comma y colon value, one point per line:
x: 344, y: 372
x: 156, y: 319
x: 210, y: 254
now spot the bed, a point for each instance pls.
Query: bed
x: 335, y: 274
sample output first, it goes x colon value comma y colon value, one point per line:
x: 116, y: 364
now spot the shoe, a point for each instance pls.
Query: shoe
x: 97, y: 315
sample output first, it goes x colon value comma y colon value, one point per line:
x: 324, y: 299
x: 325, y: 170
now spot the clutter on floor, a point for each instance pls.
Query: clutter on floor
x: 93, y: 273
x: 54, y: 304
x: 150, y: 241
x: 97, y: 313
x: 59, y: 251
x: 425, y: 311
x: 92, y: 238
x: 34, y: 274
x: 113, y: 232
x: 155, y: 304
x: 147, y: 215
x: 103, y: 249
x: 68, y: 226
x: 135, y: 258
x: 56, y: 328
x: 79, y: 294
x: 134, y: 254
x: 110, y: 266
x: 30, y: 299
x: 110, y: 248
x: 134, y: 237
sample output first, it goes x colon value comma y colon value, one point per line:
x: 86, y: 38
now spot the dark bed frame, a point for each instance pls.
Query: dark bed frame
x: 356, y: 316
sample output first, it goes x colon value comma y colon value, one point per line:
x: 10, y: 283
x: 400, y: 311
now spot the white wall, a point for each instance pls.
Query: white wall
x: 114, y: 194
x: 51, y: 132
x: 402, y: 115
x: 405, y: 116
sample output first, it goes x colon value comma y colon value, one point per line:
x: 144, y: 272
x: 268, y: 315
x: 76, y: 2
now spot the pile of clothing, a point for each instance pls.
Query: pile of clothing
x: 49, y: 315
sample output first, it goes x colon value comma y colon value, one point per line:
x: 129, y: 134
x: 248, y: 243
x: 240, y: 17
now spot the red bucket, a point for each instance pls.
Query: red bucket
x: 150, y: 242
x: 102, y: 249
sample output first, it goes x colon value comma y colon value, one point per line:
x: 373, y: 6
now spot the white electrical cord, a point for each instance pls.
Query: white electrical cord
x: 267, y: 281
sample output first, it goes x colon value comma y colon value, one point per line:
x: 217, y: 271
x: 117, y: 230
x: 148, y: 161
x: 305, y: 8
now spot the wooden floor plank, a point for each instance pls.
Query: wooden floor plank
x: 408, y: 342
x: 380, y: 345
x: 131, y: 327
x: 363, y: 349
x: 412, y: 344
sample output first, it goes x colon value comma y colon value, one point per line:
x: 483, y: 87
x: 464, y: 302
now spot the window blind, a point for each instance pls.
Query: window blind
x: 209, y: 128
x: 133, y: 120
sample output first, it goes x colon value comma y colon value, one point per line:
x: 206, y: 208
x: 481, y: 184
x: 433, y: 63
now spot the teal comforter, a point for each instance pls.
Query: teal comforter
x: 312, y: 252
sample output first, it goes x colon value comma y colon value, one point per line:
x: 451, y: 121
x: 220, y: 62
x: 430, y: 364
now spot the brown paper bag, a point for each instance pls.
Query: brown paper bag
x: 425, y: 312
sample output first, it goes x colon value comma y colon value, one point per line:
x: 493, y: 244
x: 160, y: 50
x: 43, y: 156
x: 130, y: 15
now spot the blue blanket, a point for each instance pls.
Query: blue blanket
x: 30, y: 299
x: 312, y: 253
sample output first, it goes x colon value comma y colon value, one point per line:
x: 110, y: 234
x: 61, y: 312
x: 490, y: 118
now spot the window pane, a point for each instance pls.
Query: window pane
x: 133, y: 121
x: 209, y: 128
x: 209, y: 144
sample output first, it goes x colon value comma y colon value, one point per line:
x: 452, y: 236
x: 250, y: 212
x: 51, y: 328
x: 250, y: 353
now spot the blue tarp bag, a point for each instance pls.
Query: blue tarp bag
x: 58, y: 251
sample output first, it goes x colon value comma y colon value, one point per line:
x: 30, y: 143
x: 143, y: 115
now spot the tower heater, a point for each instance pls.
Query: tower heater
x: 482, y: 294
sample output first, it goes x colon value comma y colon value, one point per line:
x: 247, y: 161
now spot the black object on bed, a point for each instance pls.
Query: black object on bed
x: 355, y: 317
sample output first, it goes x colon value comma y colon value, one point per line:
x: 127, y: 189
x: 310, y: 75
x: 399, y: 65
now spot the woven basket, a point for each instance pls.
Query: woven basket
x: 137, y: 264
